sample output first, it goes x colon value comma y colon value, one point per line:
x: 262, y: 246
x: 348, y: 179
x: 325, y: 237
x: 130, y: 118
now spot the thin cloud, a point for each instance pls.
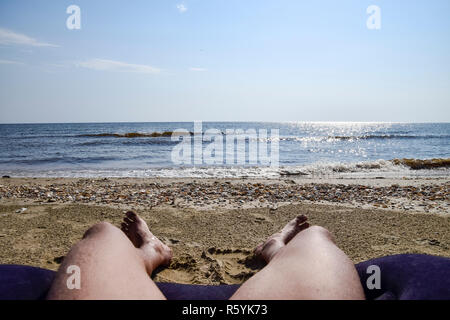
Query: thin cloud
x: 11, y: 62
x: 181, y: 8
x: 197, y: 69
x: 117, y: 66
x: 8, y: 37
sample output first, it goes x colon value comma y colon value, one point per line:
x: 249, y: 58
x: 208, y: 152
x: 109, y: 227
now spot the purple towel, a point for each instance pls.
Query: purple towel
x: 409, y: 277
x: 403, y: 277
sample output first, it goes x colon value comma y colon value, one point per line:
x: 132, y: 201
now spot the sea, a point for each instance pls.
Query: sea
x: 306, y: 149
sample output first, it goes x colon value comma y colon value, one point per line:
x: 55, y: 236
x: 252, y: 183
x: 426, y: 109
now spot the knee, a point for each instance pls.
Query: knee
x: 318, y: 232
x: 100, y: 228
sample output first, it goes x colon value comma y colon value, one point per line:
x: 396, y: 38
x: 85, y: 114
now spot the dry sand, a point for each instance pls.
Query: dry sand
x: 214, y: 246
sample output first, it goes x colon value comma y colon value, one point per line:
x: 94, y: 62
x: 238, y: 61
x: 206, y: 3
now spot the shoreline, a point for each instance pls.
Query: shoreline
x: 428, y: 195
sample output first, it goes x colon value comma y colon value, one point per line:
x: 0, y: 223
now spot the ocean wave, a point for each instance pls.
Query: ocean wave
x: 362, y: 137
x: 59, y: 160
x: 390, y: 136
x: 396, y: 168
x: 269, y: 138
x: 379, y: 166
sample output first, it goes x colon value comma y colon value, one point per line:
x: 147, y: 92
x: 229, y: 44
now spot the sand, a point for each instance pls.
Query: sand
x: 214, y: 245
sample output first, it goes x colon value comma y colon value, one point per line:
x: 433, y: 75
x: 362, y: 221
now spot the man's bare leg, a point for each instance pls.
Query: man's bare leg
x: 114, y: 264
x: 306, y: 266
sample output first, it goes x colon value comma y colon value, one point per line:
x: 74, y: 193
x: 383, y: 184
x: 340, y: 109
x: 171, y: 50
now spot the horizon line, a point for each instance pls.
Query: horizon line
x: 227, y: 121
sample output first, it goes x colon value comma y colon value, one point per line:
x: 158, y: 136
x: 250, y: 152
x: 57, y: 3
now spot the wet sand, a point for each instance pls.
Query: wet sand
x: 213, y: 243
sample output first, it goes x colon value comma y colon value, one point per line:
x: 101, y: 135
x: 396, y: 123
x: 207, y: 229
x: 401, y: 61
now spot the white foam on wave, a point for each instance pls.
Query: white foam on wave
x: 365, y: 169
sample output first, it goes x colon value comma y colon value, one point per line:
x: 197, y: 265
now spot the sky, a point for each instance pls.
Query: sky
x: 224, y: 60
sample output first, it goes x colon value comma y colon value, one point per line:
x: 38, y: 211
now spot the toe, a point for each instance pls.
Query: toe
x: 258, y: 249
x: 300, y: 219
x: 128, y: 220
x: 131, y: 215
x: 303, y: 226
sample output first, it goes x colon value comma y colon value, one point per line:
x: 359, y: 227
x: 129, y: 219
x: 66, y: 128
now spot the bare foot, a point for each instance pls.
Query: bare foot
x: 154, y: 252
x: 268, y: 249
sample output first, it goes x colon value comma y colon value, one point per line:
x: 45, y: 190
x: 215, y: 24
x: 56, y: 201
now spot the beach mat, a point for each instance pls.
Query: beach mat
x: 403, y: 277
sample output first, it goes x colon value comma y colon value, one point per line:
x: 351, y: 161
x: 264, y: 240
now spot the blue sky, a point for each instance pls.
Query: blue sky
x: 224, y: 60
